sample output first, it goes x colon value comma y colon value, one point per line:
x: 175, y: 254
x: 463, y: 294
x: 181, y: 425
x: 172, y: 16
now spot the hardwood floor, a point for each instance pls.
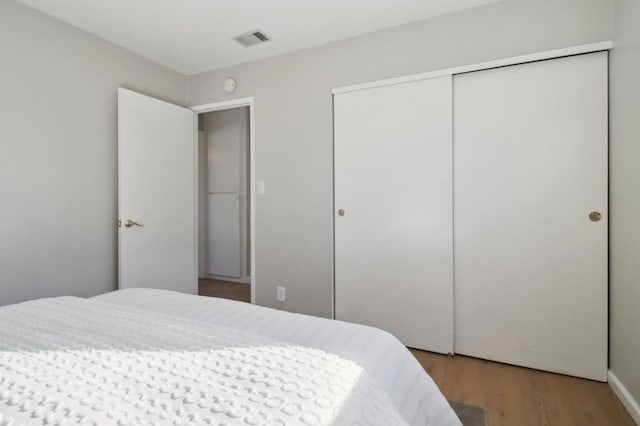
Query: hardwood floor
x: 511, y: 396
x: 520, y: 396
x: 224, y: 289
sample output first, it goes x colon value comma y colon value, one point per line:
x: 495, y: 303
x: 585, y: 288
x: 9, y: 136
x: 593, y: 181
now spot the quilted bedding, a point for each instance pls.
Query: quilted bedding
x: 97, y: 361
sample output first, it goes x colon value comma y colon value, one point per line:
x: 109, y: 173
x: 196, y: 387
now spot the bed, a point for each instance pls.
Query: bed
x: 145, y: 356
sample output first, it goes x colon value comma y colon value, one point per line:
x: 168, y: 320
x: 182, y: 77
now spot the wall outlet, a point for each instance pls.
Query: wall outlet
x: 281, y: 294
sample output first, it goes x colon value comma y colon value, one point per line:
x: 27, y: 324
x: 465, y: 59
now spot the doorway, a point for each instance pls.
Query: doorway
x: 225, y: 200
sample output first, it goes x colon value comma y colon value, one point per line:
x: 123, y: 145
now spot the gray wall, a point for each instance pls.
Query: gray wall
x: 294, y: 118
x: 625, y: 196
x: 58, y: 153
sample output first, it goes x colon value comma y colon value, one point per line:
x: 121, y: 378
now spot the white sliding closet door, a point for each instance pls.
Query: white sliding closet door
x: 393, y: 245
x: 530, y: 166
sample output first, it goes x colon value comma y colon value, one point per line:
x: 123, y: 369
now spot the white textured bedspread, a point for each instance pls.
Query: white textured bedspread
x: 385, y: 359
x: 141, y: 356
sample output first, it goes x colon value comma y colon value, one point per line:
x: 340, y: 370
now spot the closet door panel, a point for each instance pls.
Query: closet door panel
x: 393, y: 245
x: 530, y: 165
x: 224, y: 235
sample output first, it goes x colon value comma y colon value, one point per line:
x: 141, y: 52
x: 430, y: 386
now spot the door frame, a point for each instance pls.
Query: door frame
x: 222, y: 106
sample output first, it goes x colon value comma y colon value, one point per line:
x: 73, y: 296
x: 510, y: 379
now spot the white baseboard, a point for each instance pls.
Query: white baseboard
x: 625, y: 397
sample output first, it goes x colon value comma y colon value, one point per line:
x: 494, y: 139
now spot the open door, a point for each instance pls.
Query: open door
x: 156, y: 194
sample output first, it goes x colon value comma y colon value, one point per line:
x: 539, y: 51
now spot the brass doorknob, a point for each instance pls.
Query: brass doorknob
x: 129, y: 223
x: 341, y: 212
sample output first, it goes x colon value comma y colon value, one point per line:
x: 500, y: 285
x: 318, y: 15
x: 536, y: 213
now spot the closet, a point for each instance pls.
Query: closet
x: 471, y: 212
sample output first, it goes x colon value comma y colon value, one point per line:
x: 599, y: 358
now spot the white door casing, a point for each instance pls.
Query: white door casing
x: 393, y: 246
x: 530, y: 164
x: 157, y: 189
x: 248, y: 102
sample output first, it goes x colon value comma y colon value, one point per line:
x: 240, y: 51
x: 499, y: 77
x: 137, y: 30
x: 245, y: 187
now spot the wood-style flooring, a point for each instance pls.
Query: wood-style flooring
x: 520, y: 396
x: 511, y: 396
x: 224, y: 289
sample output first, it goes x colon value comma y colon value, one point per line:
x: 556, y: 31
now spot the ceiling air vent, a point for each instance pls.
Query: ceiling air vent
x: 252, y: 38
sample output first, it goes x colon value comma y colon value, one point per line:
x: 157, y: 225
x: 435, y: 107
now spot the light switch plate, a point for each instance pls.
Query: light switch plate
x: 260, y: 187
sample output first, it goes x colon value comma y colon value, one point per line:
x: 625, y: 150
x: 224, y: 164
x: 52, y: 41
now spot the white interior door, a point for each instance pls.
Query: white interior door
x: 156, y: 189
x: 393, y: 245
x: 530, y: 165
x: 224, y: 235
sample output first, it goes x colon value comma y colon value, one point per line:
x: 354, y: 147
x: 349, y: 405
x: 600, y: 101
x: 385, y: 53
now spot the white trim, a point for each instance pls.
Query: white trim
x: 196, y: 213
x: 230, y: 104
x: 539, y: 56
x: 333, y: 211
x: 625, y: 397
x: 219, y: 106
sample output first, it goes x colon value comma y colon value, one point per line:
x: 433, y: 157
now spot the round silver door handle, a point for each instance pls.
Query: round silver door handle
x: 341, y: 212
x: 595, y: 216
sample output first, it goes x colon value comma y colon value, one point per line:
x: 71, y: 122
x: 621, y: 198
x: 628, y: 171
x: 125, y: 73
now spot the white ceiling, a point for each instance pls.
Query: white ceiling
x: 192, y: 36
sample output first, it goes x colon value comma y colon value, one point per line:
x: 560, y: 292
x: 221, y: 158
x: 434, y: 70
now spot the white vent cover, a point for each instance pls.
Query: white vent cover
x: 252, y: 38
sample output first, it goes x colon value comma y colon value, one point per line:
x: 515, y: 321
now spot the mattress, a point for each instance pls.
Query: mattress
x: 144, y: 356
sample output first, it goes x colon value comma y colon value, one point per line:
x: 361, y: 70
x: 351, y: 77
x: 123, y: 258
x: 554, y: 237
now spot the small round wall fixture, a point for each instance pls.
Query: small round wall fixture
x: 229, y: 85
